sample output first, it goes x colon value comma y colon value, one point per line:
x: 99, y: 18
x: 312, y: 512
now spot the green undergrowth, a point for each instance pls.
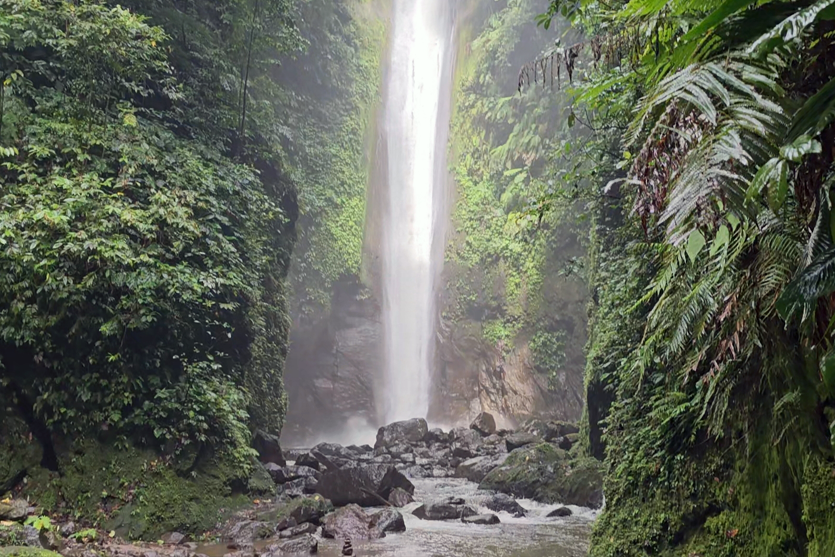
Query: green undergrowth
x: 335, y: 92
x: 508, y: 260
x: 140, y: 494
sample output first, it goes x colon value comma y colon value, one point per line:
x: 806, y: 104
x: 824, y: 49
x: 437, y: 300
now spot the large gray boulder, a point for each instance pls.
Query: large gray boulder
x: 408, y: 431
x: 351, y: 523
x: 521, y: 439
x: 475, y: 469
x: 14, y: 509
x: 400, y: 497
x: 451, y: 508
x: 304, y: 545
x: 485, y: 424
x: 389, y: 520
x: 367, y: 485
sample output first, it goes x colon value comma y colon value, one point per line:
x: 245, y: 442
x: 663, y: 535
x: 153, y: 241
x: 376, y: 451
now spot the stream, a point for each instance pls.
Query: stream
x: 531, y: 536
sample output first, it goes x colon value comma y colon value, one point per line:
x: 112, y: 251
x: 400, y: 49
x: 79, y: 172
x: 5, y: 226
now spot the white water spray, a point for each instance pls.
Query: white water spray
x: 416, y: 126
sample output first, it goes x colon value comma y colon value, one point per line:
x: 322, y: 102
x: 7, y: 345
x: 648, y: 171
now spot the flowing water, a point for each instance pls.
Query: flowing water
x: 416, y: 127
x: 532, y: 536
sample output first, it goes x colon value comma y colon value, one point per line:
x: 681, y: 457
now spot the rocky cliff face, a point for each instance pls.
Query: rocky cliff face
x: 332, y: 367
x: 473, y: 377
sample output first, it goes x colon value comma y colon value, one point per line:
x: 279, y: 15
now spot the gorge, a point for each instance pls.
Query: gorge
x: 417, y: 277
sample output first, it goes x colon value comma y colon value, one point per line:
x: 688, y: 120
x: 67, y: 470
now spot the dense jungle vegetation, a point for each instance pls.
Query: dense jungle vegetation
x: 511, y: 270
x: 708, y: 169
x: 151, y: 157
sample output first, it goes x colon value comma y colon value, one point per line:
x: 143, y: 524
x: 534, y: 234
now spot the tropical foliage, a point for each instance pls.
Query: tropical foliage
x: 510, y: 283
x: 713, y: 247
x: 144, y: 224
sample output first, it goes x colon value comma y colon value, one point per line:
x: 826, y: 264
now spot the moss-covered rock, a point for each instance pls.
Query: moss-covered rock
x: 13, y: 534
x: 137, y: 493
x: 303, y: 509
x: 546, y: 473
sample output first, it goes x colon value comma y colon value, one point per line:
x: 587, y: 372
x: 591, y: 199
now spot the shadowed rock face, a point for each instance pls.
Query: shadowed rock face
x: 367, y: 485
x: 333, y: 364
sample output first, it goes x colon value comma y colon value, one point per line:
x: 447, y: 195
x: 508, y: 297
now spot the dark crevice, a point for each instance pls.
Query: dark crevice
x: 26, y: 410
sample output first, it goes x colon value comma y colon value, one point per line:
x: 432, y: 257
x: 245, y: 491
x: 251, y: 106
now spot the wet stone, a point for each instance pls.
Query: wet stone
x: 483, y: 519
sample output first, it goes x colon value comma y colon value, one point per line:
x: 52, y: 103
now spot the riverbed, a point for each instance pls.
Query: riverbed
x: 532, y: 536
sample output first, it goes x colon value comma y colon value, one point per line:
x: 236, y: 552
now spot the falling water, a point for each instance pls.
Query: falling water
x: 416, y: 124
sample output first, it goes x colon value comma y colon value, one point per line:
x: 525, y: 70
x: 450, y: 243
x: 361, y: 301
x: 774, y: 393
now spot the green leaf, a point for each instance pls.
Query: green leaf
x: 815, y: 114
x: 723, y: 237
x: 695, y: 243
x: 129, y: 120
x: 720, y: 14
x: 778, y: 189
x: 767, y: 175
x: 802, y: 146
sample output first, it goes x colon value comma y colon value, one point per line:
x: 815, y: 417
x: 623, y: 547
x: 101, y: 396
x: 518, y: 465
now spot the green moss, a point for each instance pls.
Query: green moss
x: 295, y: 507
x: 137, y: 494
x: 819, y: 507
x: 26, y: 552
x: 546, y: 473
x: 19, y: 452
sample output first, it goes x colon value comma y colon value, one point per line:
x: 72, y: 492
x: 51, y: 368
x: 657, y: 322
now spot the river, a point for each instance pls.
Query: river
x: 532, y: 536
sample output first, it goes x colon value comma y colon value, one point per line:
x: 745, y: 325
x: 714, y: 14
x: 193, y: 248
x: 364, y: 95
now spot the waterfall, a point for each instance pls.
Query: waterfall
x: 416, y: 127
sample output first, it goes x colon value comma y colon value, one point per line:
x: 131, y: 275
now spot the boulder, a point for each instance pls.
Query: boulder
x: 293, y: 454
x: 285, y: 523
x: 400, y: 497
x: 334, y: 450
x: 14, y: 509
x: 502, y: 502
x: 559, y: 512
x: 463, y: 451
x: 276, y: 472
x: 305, y: 545
x: 268, y: 447
x: 243, y: 533
x: 452, y: 508
x: 417, y: 472
x: 389, y: 520
x: 14, y: 533
x: 297, y: 511
x: 174, y: 538
x: 368, y: 485
x: 409, y: 431
x: 558, y: 429
x: 545, y: 473
x: 298, y: 487
x: 296, y: 531
x: 310, y: 509
x: 436, y: 436
x: 351, y: 523
x: 308, y: 460
x: 485, y: 424
x: 475, y: 469
x: 520, y: 439
x: 397, y: 451
x: 484, y: 519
